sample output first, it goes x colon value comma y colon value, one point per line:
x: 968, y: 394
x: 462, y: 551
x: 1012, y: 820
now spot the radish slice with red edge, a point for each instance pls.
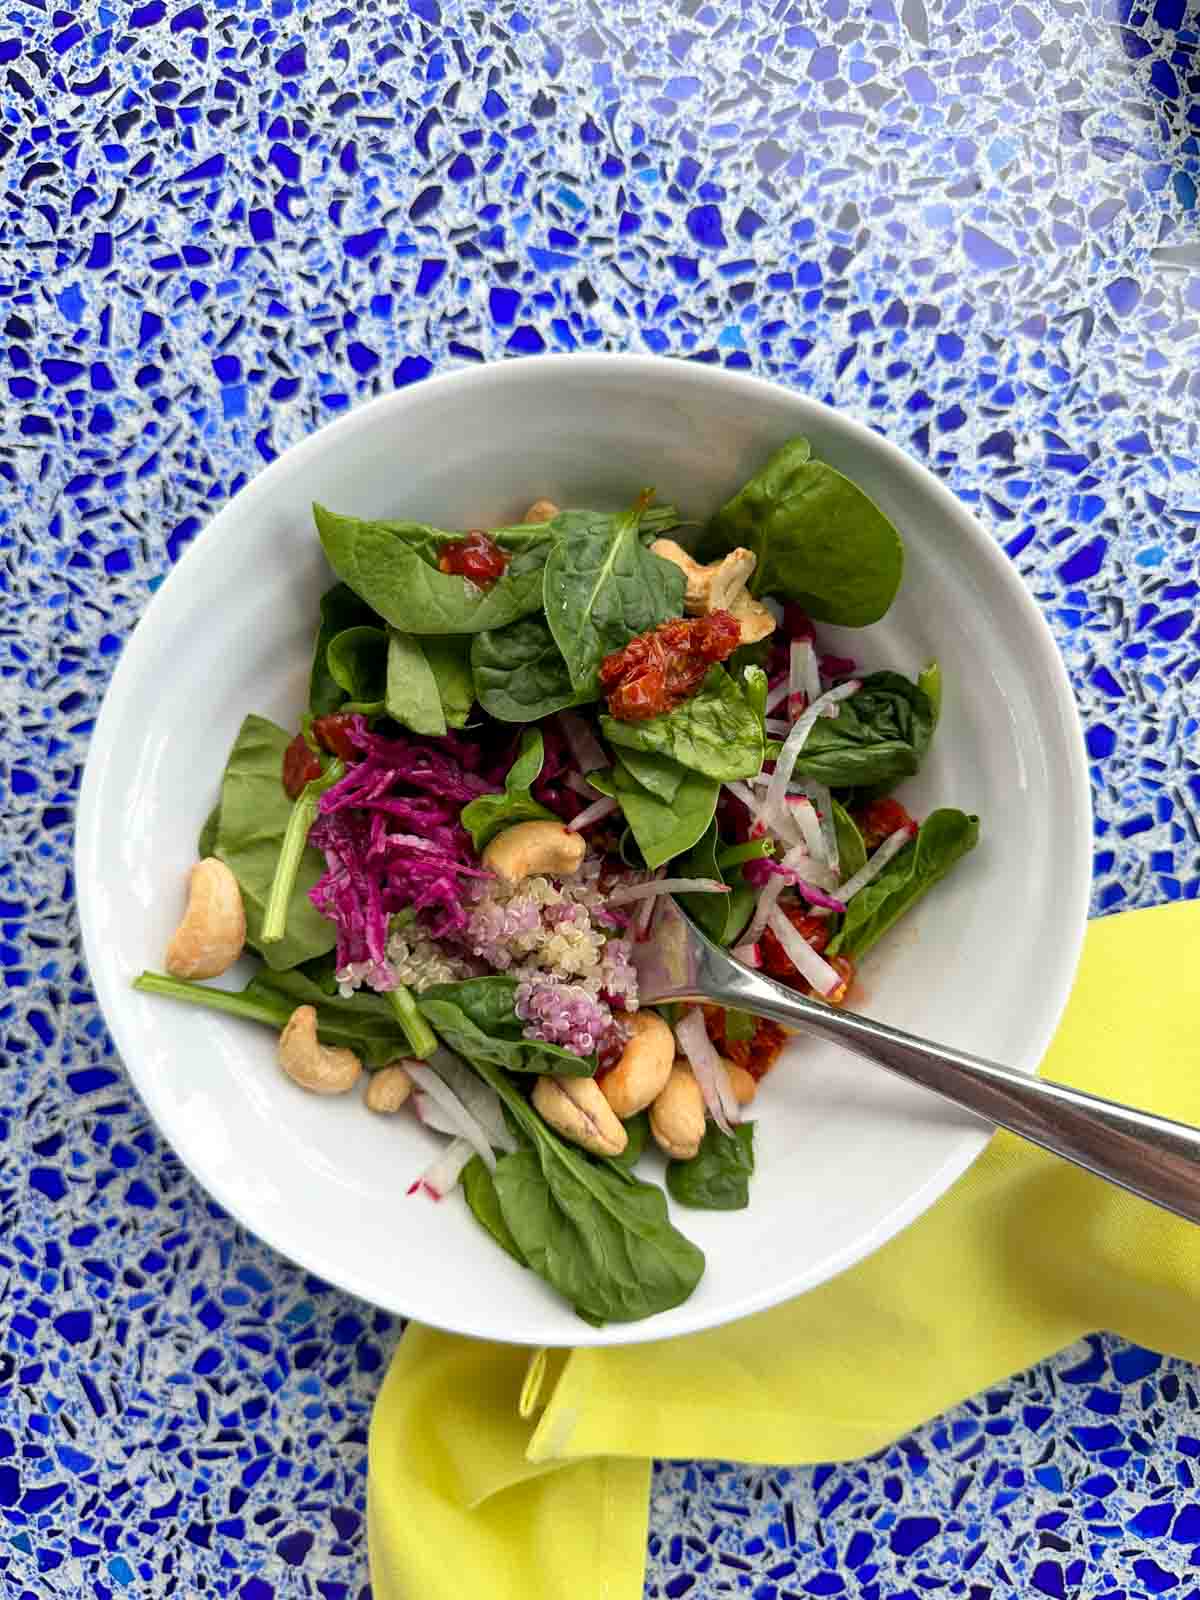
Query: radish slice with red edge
x: 890, y: 847
x: 824, y: 978
x: 640, y: 891
x: 596, y: 812
x: 710, y: 1071
x: 442, y: 1175
x: 452, y: 1110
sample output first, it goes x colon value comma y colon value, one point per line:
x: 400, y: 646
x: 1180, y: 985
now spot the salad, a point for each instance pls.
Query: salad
x: 522, y: 750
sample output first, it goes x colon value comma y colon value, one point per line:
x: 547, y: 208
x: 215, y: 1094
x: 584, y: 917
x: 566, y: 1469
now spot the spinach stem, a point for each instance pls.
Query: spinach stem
x: 753, y: 850
x: 421, y: 1037
x: 198, y: 994
x: 295, y: 837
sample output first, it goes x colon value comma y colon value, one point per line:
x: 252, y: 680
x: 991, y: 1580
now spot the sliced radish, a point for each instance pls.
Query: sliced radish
x: 596, y: 812
x: 824, y: 978
x: 785, y: 763
x: 453, y: 1116
x: 442, y: 1175
x: 777, y: 695
x: 747, y: 954
x: 586, y: 750
x: 890, y: 847
x: 711, y: 1073
x: 642, y: 891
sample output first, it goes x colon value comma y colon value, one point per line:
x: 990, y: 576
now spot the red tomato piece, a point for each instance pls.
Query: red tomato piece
x: 300, y: 766
x: 476, y: 557
x: 662, y: 668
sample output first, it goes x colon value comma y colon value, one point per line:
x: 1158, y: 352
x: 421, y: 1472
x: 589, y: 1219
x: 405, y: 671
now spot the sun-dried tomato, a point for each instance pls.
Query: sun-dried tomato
x: 477, y: 557
x: 300, y: 766
x: 661, y: 669
x: 332, y: 733
x: 816, y: 931
x: 757, y: 1054
x: 879, y: 819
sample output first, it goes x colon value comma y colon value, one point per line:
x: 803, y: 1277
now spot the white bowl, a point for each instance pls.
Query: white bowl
x: 846, y: 1156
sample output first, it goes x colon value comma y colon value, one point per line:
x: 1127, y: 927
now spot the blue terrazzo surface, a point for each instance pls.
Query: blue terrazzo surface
x: 972, y: 224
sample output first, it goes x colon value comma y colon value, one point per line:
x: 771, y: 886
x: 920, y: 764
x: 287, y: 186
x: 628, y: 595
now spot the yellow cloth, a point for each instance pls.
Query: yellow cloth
x: 469, y: 1497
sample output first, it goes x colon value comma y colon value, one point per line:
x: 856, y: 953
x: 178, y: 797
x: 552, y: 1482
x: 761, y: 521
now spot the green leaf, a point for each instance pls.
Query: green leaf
x: 715, y: 732
x: 520, y: 675
x: 879, y: 736
x: 852, y: 852
x: 484, y: 1204
x: 271, y: 997
x: 661, y: 830
x: 818, y: 538
x: 943, y: 838
x: 722, y: 917
x: 487, y: 816
x: 207, y: 842
x: 755, y: 686
x: 518, y: 1054
x: 412, y: 690
x: 601, y: 588
x: 449, y: 659
x: 739, y: 1026
x: 340, y: 609
x: 389, y: 570
x: 717, y: 1178
x: 929, y: 681
x: 490, y: 1003
x: 637, y: 1131
x: 254, y: 816
x: 659, y: 774
x: 357, y: 659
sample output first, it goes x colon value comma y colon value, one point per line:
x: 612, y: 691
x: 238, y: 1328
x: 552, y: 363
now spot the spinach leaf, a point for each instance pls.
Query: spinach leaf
x: 879, y: 735
x: 659, y: 774
x: 818, y: 538
x: 637, y: 1131
x: 663, y: 830
x: 449, y: 659
x: 271, y: 997
x: 412, y: 690
x: 721, y: 916
x: 929, y: 681
x: 490, y: 1003
x: 755, y: 686
x: 490, y: 813
x: 601, y: 1238
x: 717, y: 1178
x: 601, y: 588
x: 207, y: 841
x: 253, y: 820
x: 340, y: 609
x: 395, y: 579
x: 716, y: 732
x: 852, y: 852
x: 484, y: 1203
x: 520, y: 675
x: 943, y: 838
x: 518, y: 1054
x: 357, y: 659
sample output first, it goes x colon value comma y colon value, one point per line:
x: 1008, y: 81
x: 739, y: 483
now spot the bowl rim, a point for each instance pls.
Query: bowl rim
x: 1072, y: 888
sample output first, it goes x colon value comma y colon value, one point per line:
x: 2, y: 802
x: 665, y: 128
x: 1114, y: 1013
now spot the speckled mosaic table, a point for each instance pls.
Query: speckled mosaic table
x: 972, y: 224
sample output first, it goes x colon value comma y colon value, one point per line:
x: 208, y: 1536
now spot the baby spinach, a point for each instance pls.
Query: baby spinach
x: 206, y: 843
x: 517, y: 1054
x: 600, y: 1237
x: 520, y: 676
x: 879, y: 735
x: 449, y: 659
x: 340, y: 609
x: 819, y: 540
x: 943, y: 838
x: 485, y: 817
x: 412, y: 690
x: 490, y: 1002
x: 852, y: 852
x: 715, y: 732
x: 929, y: 681
x: 659, y: 774
x: 717, y: 1178
x: 254, y: 815
x: 721, y: 916
x: 601, y: 588
x: 637, y: 1137
x: 395, y: 579
x: 271, y: 997
x: 484, y: 1205
x: 661, y: 829
x: 357, y: 659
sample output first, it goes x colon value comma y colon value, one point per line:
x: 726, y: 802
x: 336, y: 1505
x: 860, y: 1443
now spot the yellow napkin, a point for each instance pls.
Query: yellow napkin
x: 521, y: 1475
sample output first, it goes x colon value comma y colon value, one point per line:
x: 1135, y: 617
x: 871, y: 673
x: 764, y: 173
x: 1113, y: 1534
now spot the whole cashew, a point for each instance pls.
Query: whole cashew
x: 644, y: 1067
x: 321, y: 1068
x: 541, y: 511
x: 677, y: 1116
x: 213, y: 931
x: 743, y: 1083
x: 530, y: 847
x: 388, y: 1089
x: 575, y: 1108
x: 720, y: 586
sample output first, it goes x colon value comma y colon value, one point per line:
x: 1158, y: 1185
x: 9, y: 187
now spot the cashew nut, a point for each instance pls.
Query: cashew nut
x: 644, y: 1067
x: 531, y: 847
x: 677, y: 1116
x: 743, y: 1083
x: 576, y: 1108
x: 388, y: 1089
x: 541, y: 511
x: 720, y: 586
x: 322, y: 1068
x: 210, y: 938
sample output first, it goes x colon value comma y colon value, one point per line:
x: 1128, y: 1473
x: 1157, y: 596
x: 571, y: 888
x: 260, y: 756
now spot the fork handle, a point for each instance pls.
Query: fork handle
x: 1151, y: 1156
